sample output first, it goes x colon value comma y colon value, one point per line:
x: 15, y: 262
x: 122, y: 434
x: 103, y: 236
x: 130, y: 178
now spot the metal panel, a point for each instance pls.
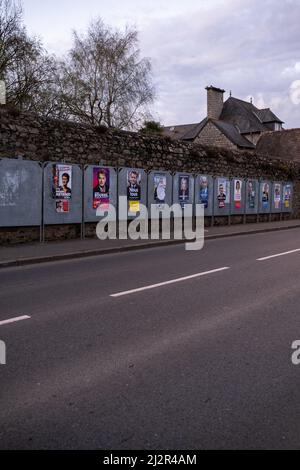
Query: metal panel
x: 95, y: 195
x: 204, y: 193
x: 276, y: 199
x: 222, y: 196
x: 287, y: 197
x: 159, y: 191
x: 238, y: 196
x: 251, y: 196
x: 20, y: 193
x: 62, y: 209
x: 265, y: 188
x: 183, y: 189
x: 132, y: 183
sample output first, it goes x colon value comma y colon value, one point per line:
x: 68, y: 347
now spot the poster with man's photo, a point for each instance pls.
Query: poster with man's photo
x: 237, y: 197
x: 160, y: 187
x: 277, y: 195
x: 62, y: 181
x: 133, y: 190
x: 101, y: 186
x: 223, y: 192
x: 250, y: 194
x: 265, y: 195
x: 203, y: 191
x: 184, y: 189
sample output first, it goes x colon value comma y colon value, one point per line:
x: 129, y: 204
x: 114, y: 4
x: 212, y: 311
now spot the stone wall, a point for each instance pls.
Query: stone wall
x: 283, y: 144
x: 49, y: 140
x: 212, y: 136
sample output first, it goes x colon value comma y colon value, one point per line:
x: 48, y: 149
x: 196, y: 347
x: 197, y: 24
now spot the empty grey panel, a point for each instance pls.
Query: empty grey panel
x: 132, y: 183
x: 251, y: 196
x: 159, y: 190
x: 264, y: 205
x: 204, y: 193
x: 237, y: 196
x: 20, y: 193
x: 62, y: 210
x: 92, y: 195
x: 287, y: 197
x: 183, y: 189
x: 276, y: 197
x: 222, y: 195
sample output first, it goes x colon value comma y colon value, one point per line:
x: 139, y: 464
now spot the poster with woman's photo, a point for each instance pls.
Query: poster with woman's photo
x: 184, y: 188
x: 203, y: 191
x: 237, y: 197
x: 223, y: 192
x: 62, y: 182
x: 160, y: 187
x: 265, y: 195
x: 277, y: 195
x: 133, y: 190
x: 101, y: 185
x: 250, y: 194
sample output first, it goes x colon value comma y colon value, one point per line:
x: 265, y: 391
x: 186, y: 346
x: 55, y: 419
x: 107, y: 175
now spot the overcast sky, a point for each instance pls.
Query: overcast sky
x: 251, y: 47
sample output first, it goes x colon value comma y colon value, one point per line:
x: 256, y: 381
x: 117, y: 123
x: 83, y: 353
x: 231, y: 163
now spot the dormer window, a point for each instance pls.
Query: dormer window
x: 277, y: 126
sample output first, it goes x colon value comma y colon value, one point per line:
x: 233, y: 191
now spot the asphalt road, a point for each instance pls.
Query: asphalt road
x: 201, y: 363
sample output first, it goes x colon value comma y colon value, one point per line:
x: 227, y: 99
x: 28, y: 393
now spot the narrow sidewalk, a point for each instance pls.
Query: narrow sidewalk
x: 52, y: 251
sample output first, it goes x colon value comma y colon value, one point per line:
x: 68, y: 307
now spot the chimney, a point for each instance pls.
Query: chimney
x: 214, y: 102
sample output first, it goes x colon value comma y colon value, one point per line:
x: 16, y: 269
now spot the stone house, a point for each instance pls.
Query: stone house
x: 234, y: 124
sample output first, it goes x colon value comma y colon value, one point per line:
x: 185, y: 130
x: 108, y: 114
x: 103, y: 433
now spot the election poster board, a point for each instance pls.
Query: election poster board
x: 287, y: 197
x: 265, y: 197
x: 132, y: 183
x: 183, y: 189
x: 238, y: 196
x: 100, y: 191
x: 159, y: 191
x: 204, y: 193
x: 222, y: 197
x: 251, y: 196
x: 276, y: 197
x: 62, y: 187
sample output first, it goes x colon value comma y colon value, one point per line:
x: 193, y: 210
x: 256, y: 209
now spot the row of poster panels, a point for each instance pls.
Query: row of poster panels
x: 70, y: 196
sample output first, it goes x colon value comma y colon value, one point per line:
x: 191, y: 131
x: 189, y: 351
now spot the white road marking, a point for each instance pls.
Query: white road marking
x: 13, y: 320
x: 173, y: 281
x: 278, y: 254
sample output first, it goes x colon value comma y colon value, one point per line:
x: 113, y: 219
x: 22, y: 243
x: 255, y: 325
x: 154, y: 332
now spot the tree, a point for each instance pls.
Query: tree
x: 103, y: 80
x: 151, y: 127
x: 29, y: 73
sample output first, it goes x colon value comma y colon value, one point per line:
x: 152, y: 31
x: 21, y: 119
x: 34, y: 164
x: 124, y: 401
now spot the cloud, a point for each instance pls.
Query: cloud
x: 247, y: 46
x: 295, y: 92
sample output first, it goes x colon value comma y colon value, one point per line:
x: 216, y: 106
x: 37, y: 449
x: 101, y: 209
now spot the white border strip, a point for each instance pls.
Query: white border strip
x: 278, y: 254
x: 173, y: 281
x: 13, y: 320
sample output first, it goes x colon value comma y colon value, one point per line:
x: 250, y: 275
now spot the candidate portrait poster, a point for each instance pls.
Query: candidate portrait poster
x: 184, y: 188
x: 287, y: 191
x: 277, y: 195
x: 160, y: 187
x: 265, y: 196
x: 223, y: 195
x: 62, y: 182
x: 203, y: 191
x: 237, y: 193
x: 250, y: 194
x: 134, y: 190
x: 101, y: 187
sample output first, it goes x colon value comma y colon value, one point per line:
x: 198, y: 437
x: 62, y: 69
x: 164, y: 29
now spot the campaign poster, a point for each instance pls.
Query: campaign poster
x: 203, y: 191
x: 265, y: 195
x: 101, y: 187
x: 160, y: 187
x: 250, y: 195
x: 62, y: 182
x: 62, y: 206
x: 238, y: 194
x: 184, y: 188
x: 277, y: 196
x: 223, y: 196
x: 134, y: 190
x: 287, y: 191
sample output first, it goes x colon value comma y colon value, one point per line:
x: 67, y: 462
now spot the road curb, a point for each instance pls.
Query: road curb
x: 126, y: 248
